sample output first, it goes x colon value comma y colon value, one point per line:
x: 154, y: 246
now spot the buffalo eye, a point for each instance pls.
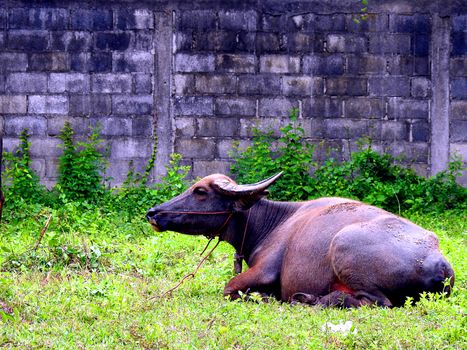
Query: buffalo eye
x: 200, y: 191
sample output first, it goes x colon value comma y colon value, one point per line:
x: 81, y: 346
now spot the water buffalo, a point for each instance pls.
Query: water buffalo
x: 327, y: 251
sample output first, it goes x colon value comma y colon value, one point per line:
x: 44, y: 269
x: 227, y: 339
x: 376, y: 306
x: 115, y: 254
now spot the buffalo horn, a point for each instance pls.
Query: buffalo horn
x: 232, y: 189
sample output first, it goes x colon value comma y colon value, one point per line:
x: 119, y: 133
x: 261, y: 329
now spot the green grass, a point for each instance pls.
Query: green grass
x: 90, y: 283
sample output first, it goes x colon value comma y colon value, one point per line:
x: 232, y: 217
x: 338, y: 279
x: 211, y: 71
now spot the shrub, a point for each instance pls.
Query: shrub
x: 292, y: 154
x: 368, y: 176
x: 81, y: 167
x: 22, y: 184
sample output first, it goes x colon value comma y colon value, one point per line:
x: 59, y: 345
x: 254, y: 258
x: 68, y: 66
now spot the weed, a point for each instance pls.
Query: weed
x: 81, y: 167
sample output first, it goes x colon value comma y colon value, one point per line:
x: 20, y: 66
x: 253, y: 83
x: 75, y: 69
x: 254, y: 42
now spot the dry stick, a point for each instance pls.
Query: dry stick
x: 44, y: 229
x: 190, y: 275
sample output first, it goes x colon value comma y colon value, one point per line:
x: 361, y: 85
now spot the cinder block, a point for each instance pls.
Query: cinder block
x: 235, y: 106
x: 375, y: 22
x: 48, y: 62
x: 28, y: 40
x: 458, y: 43
x: 135, y: 61
x: 364, y: 108
x: 279, y: 64
x: 13, y: 104
x: 259, y: 84
x: 346, y: 86
x: 341, y: 128
x: 132, y: 104
x: 71, y: 41
x: 45, y: 146
x: 238, y: 20
x: 26, y: 82
x: 13, y: 62
x: 196, y: 148
x: 302, y: 85
x: 215, y: 84
x: 36, y: 125
x: 38, y: 166
x: 69, y: 82
x: 48, y: 104
x: 273, y: 22
x: 201, y: 20
x: 203, y: 168
x: 96, y: 104
x: 421, y: 87
x: 421, y: 45
x: 236, y: 63
x: 55, y: 124
x: 126, y: 148
x: 395, y: 130
x: 420, y: 131
x: 113, y: 126
x: 277, y: 107
x: 10, y: 144
x: 459, y: 88
x: 184, y: 84
x: 418, y: 23
x: 142, y: 126
x: 3, y: 18
x: 223, y: 41
x: 95, y: 19
x: 366, y: 64
x: 322, y: 107
x: 100, y: 62
x: 184, y: 127
x: 402, y: 65
x: 298, y: 42
x: 194, y: 106
x: 323, y: 64
x: 346, y: 43
x: 459, y: 22
x: 458, y: 67
x: 389, y: 86
x: 111, y: 83
x: 410, y: 151
x: 135, y: 19
x: 267, y: 43
x: 143, y: 83
x: 407, y: 109
x: 225, y: 147
x: 321, y: 22
x: 112, y: 41
x: 459, y: 110
x: 38, y: 18
x: 383, y: 43
x: 194, y: 63
x: 144, y: 40
x: 458, y: 131
x: 217, y: 127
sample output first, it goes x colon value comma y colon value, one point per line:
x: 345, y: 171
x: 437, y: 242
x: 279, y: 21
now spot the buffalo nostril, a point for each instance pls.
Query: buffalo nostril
x: 150, y: 214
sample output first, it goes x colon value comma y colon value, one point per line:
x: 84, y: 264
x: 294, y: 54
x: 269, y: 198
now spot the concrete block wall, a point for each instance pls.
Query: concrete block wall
x: 197, y: 76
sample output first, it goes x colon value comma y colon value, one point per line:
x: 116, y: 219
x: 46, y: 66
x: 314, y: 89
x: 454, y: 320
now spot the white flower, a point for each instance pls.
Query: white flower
x: 343, y: 328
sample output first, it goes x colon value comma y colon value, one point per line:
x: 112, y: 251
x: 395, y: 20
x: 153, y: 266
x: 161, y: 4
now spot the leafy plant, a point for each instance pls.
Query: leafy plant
x: 81, y: 167
x: 267, y: 156
x: 368, y: 175
x: 22, y: 183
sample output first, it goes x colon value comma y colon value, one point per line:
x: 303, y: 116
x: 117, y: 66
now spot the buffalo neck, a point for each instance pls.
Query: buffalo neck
x: 248, y: 230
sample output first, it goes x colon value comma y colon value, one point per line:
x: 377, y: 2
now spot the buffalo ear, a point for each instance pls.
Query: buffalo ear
x: 247, y: 201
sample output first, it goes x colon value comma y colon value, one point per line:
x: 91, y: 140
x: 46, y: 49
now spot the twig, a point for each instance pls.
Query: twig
x: 44, y: 229
x: 190, y: 275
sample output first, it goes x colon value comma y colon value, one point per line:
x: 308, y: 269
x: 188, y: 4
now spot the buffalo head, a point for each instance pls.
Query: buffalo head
x: 206, y: 207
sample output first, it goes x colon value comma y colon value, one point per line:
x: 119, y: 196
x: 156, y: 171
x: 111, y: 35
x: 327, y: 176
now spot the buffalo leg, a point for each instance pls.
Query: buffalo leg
x: 341, y: 299
x: 252, y: 280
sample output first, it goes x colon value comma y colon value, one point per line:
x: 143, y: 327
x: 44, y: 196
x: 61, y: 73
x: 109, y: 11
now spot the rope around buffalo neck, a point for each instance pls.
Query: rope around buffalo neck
x: 211, y: 237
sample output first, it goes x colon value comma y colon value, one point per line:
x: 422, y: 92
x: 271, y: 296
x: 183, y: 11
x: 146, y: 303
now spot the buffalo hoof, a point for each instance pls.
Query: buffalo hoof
x: 303, y: 298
